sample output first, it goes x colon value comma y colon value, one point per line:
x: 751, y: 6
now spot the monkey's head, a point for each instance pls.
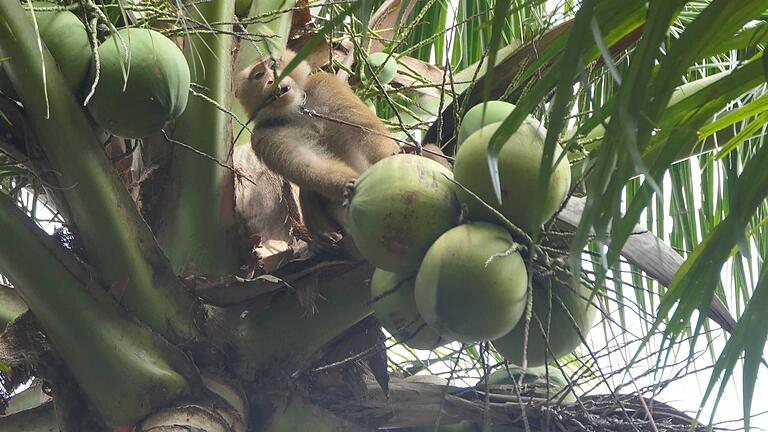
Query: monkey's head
x: 256, y: 86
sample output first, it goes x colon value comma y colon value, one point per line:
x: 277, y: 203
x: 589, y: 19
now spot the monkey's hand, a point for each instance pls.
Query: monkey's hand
x: 327, y: 245
x: 349, y: 189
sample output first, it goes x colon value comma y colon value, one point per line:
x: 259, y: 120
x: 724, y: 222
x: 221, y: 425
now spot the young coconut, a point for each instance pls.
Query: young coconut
x: 157, y: 83
x: 541, y: 381
x: 481, y: 115
x: 563, y: 313
x: 471, y: 287
x: 398, y: 208
x: 531, y: 376
x: 395, y: 308
x: 384, y: 65
x: 519, y: 167
x: 71, y: 52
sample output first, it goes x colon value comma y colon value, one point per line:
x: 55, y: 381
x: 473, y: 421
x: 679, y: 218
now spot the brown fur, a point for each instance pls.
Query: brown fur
x: 321, y: 155
x: 432, y: 151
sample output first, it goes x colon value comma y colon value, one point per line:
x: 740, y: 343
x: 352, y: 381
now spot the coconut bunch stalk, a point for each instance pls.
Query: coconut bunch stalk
x: 287, y: 331
x: 199, y: 210
x: 102, y: 345
x: 114, y: 236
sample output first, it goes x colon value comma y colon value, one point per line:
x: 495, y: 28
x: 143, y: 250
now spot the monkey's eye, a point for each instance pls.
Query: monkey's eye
x: 273, y: 64
x: 257, y: 74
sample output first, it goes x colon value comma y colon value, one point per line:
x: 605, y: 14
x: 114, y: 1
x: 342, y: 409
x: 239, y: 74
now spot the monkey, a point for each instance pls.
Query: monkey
x: 434, y: 152
x: 313, y: 130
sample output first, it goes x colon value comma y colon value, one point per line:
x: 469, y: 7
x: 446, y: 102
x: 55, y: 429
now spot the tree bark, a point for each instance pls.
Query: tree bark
x: 653, y: 256
x: 411, y: 404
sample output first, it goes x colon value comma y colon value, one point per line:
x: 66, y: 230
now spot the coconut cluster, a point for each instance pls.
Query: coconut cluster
x: 71, y: 53
x: 143, y: 83
x: 447, y: 268
x: 142, y: 77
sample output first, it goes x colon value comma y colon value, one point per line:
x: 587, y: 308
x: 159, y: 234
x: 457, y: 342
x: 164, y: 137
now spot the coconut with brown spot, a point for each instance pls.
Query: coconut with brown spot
x: 395, y: 308
x: 398, y: 208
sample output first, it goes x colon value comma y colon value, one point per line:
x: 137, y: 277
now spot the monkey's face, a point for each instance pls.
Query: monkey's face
x: 257, y: 86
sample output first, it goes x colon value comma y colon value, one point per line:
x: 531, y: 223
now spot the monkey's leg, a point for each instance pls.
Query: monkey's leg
x: 325, y: 231
x: 339, y: 214
x: 326, y: 222
x: 316, y: 217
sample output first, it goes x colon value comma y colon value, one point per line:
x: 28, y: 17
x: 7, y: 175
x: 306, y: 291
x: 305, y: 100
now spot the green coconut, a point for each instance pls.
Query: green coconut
x: 66, y: 38
x: 384, y: 65
x: 395, y: 308
x: 470, y: 287
x: 475, y: 119
x: 398, y: 208
x: 535, y: 380
x: 371, y: 105
x: 555, y: 317
x: 71, y: 52
x: 531, y: 376
x: 519, y: 166
x: 156, y: 89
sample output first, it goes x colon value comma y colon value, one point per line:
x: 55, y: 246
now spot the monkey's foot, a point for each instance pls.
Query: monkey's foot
x: 327, y: 245
x: 349, y: 189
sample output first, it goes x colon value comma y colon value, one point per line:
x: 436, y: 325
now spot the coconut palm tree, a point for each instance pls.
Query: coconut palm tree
x: 158, y: 278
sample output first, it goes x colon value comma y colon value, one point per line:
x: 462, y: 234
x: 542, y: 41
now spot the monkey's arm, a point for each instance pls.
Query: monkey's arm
x: 295, y: 158
x: 317, y: 217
